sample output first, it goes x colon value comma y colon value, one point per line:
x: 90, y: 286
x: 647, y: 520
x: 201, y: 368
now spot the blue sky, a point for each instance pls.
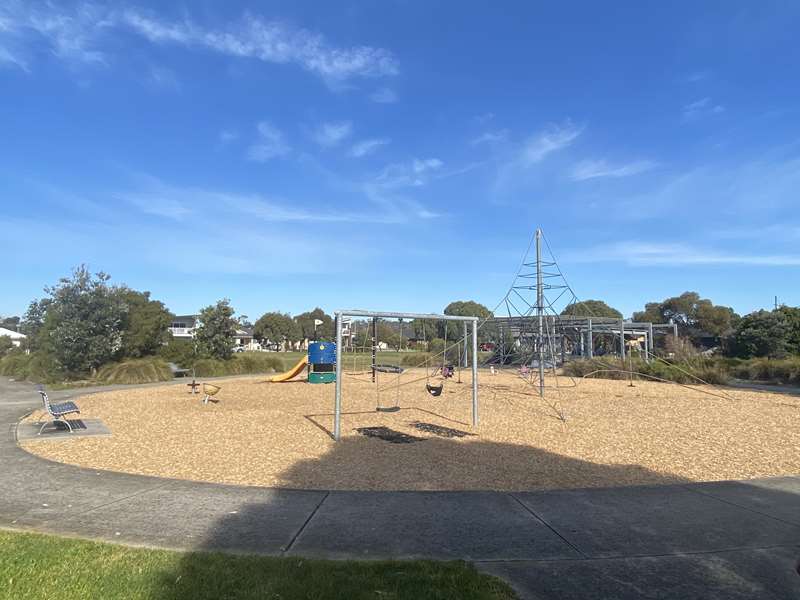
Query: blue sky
x: 399, y: 155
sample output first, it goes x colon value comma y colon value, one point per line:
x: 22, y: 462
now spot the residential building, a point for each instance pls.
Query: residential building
x: 16, y: 337
x: 183, y: 326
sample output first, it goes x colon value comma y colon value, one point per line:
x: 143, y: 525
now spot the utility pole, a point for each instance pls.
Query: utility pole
x: 540, y: 309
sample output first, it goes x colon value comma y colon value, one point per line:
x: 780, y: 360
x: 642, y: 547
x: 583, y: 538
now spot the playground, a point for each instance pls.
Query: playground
x: 459, y: 420
x: 280, y: 434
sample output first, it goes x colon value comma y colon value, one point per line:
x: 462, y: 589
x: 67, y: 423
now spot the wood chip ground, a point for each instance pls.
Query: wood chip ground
x: 278, y: 434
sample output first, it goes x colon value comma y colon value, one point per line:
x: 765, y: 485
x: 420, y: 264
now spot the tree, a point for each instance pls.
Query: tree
x: 33, y: 321
x: 145, y: 327
x: 467, y: 308
x: 277, y: 328
x: 5, y: 345
x: 324, y: 332
x: 80, y: 324
x: 217, y: 330
x: 11, y: 323
x: 761, y: 333
x: 696, y: 317
x: 792, y: 314
x: 591, y: 308
x: 389, y: 333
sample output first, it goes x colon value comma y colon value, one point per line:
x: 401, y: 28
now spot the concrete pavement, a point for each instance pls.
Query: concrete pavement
x: 711, y: 540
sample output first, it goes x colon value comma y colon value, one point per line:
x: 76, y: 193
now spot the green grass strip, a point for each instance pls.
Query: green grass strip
x: 42, y: 566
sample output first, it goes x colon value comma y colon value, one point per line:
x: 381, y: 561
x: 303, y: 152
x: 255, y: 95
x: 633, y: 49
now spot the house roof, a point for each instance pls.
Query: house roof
x: 14, y: 335
x: 190, y: 320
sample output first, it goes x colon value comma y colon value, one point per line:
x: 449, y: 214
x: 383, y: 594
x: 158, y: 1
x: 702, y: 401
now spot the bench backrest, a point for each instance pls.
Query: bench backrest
x: 45, y: 401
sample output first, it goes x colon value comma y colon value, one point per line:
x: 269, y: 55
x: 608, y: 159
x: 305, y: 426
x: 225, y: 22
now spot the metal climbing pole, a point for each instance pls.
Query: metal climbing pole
x: 540, y: 309
x: 464, y: 360
x: 374, y: 345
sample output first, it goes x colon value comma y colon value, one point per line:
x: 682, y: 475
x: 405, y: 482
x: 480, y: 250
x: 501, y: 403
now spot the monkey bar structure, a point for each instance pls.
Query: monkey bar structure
x: 573, y: 335
x: 342, y: 315
x: 535, y: 333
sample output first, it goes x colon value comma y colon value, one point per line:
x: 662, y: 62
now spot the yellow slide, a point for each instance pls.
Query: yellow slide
x: 291, y: 373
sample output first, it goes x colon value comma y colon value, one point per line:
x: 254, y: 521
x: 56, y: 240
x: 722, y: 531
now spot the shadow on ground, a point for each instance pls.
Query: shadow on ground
x: 437, y: 462
x: 715, y: 540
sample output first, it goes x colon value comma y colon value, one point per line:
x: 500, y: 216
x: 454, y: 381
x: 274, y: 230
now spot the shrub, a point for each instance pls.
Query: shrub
x: 142, y: 370
x: 36, y: 366
x: 6, y: 345
x: 246, y: 363
x: 695, y: 371
x: 770, y: 370
x: 417, y: 359
x: 179, y: 351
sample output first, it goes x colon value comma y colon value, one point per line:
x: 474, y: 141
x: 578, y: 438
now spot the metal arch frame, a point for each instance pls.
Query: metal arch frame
x: 340, y: 314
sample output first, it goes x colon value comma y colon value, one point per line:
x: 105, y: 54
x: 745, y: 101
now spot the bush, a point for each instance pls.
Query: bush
x: 178, y: 351
x: 769, y: 370
x: 695, y: 371
x: 246, y: 363
x: 6, y: 345
x: 417, y: 359
x: 142, y: 370
x: 15, y: 365
x: 38, y: 367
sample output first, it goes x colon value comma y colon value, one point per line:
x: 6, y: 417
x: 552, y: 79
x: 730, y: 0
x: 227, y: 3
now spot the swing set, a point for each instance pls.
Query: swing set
x: 445, y: 370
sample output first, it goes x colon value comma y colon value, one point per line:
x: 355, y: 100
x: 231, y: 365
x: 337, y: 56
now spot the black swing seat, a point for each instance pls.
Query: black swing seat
x: 387, y: 409
x: 434, y: 390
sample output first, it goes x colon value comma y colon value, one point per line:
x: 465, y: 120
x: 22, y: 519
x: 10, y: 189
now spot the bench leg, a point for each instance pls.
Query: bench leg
x: 55, y: 422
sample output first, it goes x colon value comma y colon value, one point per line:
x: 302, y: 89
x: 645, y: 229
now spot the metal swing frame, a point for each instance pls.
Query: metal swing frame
x: 341, y: 314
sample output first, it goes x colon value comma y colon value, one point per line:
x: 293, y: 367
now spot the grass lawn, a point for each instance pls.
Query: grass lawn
x: 41, y: 566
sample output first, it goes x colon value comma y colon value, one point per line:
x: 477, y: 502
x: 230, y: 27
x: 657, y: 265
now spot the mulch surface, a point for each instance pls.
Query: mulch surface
x: 278, y: 434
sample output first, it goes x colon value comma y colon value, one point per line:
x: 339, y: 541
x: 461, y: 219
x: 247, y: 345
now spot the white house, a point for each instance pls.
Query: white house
x: 183, y: 326
x: 16, y: 337
x: 244, y: 339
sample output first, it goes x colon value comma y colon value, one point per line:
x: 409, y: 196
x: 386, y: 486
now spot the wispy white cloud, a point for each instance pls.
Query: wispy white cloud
x: 153, y: 196
x: 637, y: 253
x: 701, y: 108
x: 552, y: 139
x: 70, y: 33
x: 491, y: 137
x: 365, y: 147
x: 395, y: 207
x: 271, y: 143
x: 696, y: 76
x: 412, y: 174
x: 163, y: 78
x: 329, y: 135
x: 757, y: 191
x: 226, y: 136
x: 75, y: 34
x: 384, y: 95
x: 11, y: 59
x: 590, y: 169
x: 518, y: 165
x: 270, y: 41
x: 776, y: 232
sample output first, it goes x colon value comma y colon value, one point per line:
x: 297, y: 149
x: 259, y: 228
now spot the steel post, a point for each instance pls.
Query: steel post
x: 337, y: 414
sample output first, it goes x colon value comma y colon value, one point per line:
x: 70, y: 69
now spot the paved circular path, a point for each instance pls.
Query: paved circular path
x: 710, y: 540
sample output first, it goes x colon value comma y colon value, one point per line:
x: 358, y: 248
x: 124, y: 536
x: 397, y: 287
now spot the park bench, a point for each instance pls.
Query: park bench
x: 57, y: 412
